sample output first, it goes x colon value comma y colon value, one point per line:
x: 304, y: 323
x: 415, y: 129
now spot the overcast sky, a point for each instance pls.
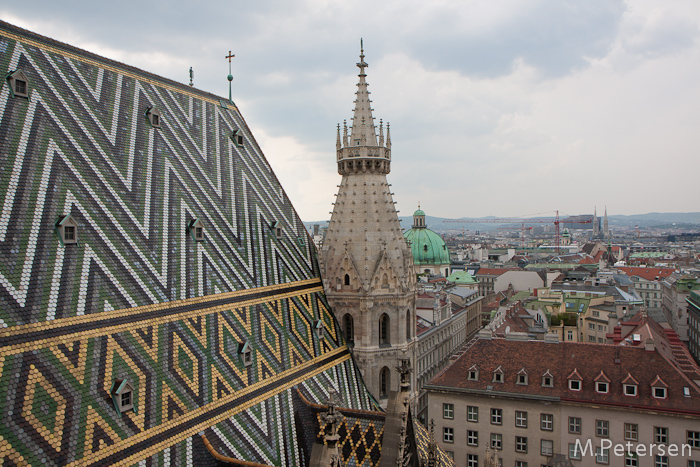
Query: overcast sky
x: 505, y: 108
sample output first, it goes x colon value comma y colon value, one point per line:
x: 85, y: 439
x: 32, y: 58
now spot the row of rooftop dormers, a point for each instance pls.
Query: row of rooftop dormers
x: 579, y: 372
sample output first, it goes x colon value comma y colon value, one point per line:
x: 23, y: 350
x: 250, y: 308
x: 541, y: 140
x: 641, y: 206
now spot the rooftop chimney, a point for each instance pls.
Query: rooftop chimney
x: 649, y: 345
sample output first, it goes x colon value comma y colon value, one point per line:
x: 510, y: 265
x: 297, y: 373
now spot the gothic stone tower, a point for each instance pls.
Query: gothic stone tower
x: 365, y: 262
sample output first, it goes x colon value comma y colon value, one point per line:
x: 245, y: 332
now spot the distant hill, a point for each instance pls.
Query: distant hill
x: 651, y: 219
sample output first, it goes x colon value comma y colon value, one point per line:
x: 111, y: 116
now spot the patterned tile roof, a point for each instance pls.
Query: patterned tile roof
x: 141, y: 296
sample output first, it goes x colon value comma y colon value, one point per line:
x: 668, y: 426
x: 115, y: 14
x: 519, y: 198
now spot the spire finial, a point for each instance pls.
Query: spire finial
x: 230, y: 76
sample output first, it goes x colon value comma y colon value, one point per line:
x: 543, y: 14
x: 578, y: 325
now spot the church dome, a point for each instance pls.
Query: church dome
x: 427, y: 246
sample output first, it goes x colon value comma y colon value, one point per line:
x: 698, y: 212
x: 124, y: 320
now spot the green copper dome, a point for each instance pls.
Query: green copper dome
x: 427, y: 247
x: 419, y: 212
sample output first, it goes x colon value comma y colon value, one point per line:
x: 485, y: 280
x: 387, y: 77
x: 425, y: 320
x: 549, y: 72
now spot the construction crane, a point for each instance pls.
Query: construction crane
x: 522, y: 221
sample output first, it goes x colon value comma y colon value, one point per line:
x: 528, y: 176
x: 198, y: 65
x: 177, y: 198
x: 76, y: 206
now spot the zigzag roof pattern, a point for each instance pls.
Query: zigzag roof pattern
x: 139, y: 297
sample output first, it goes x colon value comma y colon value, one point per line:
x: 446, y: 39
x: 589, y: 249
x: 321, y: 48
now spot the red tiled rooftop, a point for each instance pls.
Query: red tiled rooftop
x: 561, y: 359
x: 649, y: 274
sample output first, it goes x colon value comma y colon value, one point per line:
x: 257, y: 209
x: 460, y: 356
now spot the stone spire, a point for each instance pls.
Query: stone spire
x: 596, y: 227
x: 606, y: 230
x: 366, y: 264
x: 362, y: 120
x: 360, y: 151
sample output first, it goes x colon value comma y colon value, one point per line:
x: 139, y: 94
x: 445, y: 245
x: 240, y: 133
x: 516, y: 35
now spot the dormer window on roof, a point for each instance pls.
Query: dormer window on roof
x: 319, y: 326
x: 547, y: 379
x: 237, y: 138
x: 629, y: 386
x: 153, y: 117
x: 602, y: 383
x: 122, y: 393
x: 18, y: 84
x: 196, y: 229
x: 659, y: 389
x: 245, y: 351
x: 498, y: 375
x: 276, y: 229
x: 522, y: 377
x: 473, y: 374
x: 575, y: 381
x: 67, y: 230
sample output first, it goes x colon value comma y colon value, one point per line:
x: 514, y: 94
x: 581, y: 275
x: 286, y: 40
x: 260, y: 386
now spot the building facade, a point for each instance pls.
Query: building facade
x: 366, y: 264
x: 533, y: 401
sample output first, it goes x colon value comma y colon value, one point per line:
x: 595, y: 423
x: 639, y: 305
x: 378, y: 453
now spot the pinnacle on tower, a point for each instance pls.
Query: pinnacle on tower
x: 363, y: 122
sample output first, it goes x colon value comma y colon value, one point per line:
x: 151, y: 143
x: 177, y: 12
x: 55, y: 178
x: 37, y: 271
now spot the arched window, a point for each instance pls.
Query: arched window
x: 384, y: 382
x: 349, y: 328
x: 347, y: 279
x: 385, y: 281
x: 408, y: 325
x: 384, y: 329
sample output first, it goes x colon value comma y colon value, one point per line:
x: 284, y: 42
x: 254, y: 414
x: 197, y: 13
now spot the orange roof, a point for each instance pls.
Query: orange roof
x: 649, y: 274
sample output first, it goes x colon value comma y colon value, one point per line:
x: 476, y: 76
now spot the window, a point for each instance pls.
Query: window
x: 246, y: 353
x: 472, y: 438
x: 496, y: 416
x: 153, y: 117
x: 519, y: 464
x: 591, y: 338
x: 472, y: 413
x: 472, y: 460
x: 574, y: 452
x: 630, y: 389
x: 237, y: 138
x: 631, y: 459
x: 349, y: 327
x: 196, y: 229
x: 574, y: 385
x: 602, y: 456
x: 601, y: 327
x: 694, y: 439
x: 596, y: 314
x: 602, y: 428
x: 122, y: 393
x: 661, y: 461
x: 18, y: 84
x: 450, y: 454
x: 693, y: 463
x: 448, y: 411
x: 660, y: 435
x: 473, y: 374
x: 546, y: 447
x: 601, y: 387
x: 384, y: 383
x: 591, y: 326
x: 448, y: 434
x: 496, y: 441
x: 569, y: 335
x: 384, y: 330
x: 347, y: 279
x: 520, y: 419
x: 522, y: 377
x: 520, y: 444
x: 67, y: 230
x: 498, y: 375
x: 547, y: 380
x: 546, y: 421
x: 631, y: 431
x: 575, y: 425
x: 659, y: 393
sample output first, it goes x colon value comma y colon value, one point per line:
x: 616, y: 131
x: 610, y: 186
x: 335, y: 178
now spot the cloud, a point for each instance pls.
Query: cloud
x: 501, y: 108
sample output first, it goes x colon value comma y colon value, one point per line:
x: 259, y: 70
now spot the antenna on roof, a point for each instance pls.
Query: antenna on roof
x: 191, y: 77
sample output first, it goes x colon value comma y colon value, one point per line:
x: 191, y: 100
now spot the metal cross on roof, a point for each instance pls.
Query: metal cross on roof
x: 230, y: 76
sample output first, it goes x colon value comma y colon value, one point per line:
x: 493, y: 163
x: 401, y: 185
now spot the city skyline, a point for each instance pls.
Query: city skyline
x: 509, y: 110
